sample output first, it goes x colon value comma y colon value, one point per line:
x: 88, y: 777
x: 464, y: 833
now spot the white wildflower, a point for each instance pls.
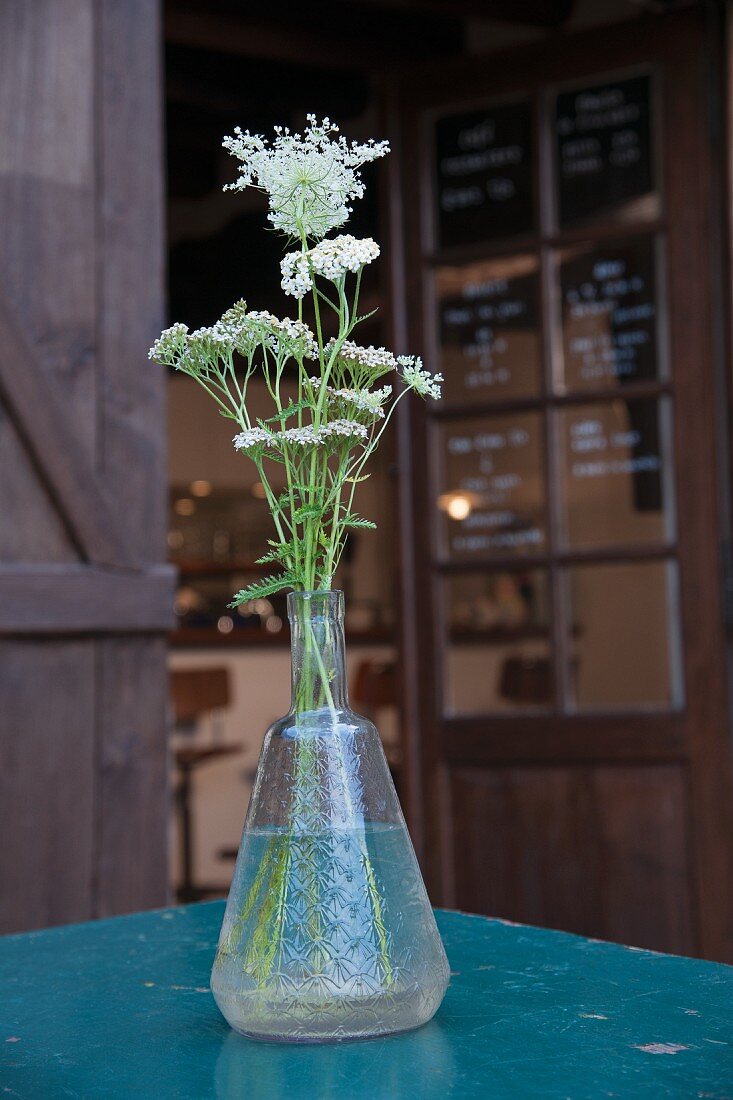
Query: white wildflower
x: 366, y: 401
x: 248, y: 330
x: 307, y: 436
x: 421, y: 381
x: 253, y: 437
x: 349, y: 429
x: 371, y: 358
x: 169, y: 346
x: 296, y: 275
x: 330, y: 259
x: 309, y: 178
x: 361, y: 400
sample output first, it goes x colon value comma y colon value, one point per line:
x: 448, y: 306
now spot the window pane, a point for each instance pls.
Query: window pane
x: 616, y: 473
x: 488, y: 329
x: 497, y: 645
x: 624, y: 644
x: 484, y: 174
x: 491, y: 487
x: 608, y: 296
x: 604, y: 152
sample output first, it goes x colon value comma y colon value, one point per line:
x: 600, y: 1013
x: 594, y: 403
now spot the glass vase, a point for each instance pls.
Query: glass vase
x: 328, y: 933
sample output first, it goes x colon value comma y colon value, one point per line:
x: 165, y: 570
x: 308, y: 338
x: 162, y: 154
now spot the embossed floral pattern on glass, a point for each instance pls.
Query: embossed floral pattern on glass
x: 328, y: 932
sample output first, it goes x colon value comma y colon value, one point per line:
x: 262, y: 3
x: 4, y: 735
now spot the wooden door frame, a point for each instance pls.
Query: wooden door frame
x: 690, y: 195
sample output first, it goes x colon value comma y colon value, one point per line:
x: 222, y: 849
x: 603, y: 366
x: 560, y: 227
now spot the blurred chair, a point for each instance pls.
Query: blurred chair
x: 526, y: 679
x: 195, y: 694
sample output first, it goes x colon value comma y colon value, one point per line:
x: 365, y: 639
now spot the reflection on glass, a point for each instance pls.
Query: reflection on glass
x: 491, y: 498
x: 625, y: 649
x: 489, y: 340
x: 616, y: 472
x: 608, y: 296
x: 604, y: 152
x: 497, y: 644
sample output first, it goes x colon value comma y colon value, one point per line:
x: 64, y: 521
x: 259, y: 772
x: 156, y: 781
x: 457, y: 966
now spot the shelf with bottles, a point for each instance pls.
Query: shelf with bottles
x: 204, y: 619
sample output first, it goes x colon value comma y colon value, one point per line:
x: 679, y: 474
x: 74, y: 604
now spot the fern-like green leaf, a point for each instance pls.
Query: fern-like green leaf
x: 289, y: 410
x: 268, y: 586
x: 352, y: 520
x: 307, y: 511
x: 279, y: 553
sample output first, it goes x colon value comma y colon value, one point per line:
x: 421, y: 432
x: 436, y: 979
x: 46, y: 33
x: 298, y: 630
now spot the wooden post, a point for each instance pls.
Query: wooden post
x: 84, y: 597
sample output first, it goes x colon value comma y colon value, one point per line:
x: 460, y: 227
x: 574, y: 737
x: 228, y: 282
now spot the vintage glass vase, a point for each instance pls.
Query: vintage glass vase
x: 328, y: 932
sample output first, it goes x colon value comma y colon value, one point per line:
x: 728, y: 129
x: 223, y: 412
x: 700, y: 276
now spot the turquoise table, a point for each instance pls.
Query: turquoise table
x: 121, y: 1008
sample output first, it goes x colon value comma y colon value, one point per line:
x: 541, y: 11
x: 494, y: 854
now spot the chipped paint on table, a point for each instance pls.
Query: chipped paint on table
x: 121, y: 1008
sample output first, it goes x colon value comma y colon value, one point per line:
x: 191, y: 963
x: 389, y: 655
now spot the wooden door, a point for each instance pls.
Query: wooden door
x: 565, y: 689
x: 84, y: 602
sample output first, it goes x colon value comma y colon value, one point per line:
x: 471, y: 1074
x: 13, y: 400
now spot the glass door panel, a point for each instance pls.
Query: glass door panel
x: 604, y: 152
x: 484, y: 174
x: 616, y: 473
x: 488, y: 339
x: 497, y: 642
x: 491, y: 495
x: 624, y: 645
x: 608, y: 295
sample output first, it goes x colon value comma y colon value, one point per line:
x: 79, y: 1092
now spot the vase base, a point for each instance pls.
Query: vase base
x: 322, y: 1040
x: 256, y: 1018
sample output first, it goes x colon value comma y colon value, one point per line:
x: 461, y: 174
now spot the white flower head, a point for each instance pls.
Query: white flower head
x: 245, y: 331
x: 370, y: 361
x: 416, y: 378
x: 306, y: 436
x: 335, y: 430
x: 309, y: 179
x: 343, y: 429
x: 170, y: 346
x: 252, y: 438
x: 369, y: 402
x: 331, y: 259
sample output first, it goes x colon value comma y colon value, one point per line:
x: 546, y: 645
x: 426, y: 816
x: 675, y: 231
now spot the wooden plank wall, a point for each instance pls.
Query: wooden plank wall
x: 84, y: 597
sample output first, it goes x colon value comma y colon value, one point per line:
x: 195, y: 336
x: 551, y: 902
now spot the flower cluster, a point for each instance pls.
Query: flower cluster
x: 247, y: 330
x: 170, y: 345
x: 331, y: 259
x: 361, y: 366
x: 305, y: 436
x: 370, y: 402
x: 237, y: 330
x: 309, y: 179
x: 329, y: 408
x: 415, y: 378
x: 253, y: 437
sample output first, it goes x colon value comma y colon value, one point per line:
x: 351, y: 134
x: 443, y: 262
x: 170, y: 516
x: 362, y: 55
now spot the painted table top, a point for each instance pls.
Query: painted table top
x: 121, y: 1008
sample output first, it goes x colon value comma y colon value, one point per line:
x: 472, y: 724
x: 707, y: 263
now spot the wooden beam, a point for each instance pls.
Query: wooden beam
x: 67, y: 599
x: 529, y: 13
x: 245, y: 37
x: 36, y: 407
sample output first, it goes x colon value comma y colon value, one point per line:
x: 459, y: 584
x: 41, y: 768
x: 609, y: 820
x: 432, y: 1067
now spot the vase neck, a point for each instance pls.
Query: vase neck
x: 317, y: 651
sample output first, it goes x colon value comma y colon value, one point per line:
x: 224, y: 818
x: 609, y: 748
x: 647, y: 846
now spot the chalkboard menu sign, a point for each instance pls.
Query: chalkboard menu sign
x: 484, y: 174
x: 491, y: 502
x: 615, y: 472
x: 604, y: 150
x: 488, y: 321
x: 609, y: 314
